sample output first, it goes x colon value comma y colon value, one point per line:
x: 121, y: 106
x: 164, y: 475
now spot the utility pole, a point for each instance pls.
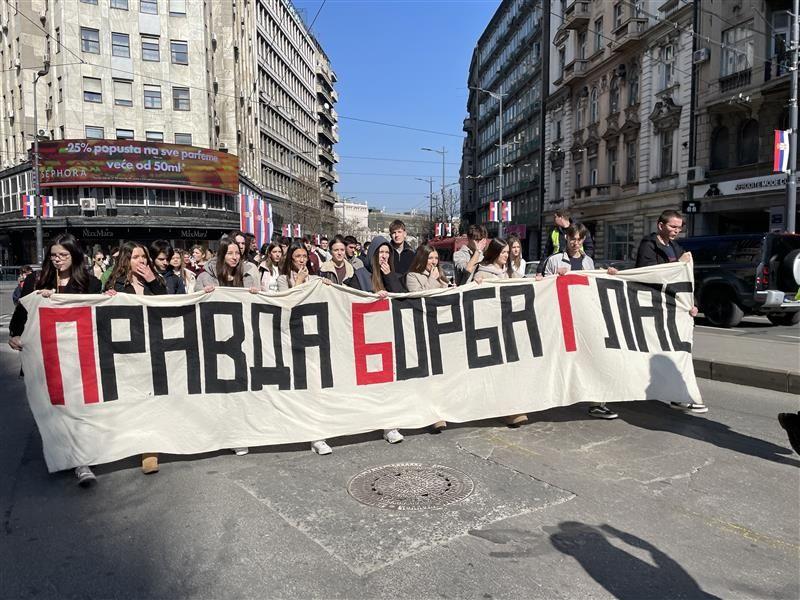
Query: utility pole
x: 37, y: 187
x: 545, y: 76
x: 791, y: 181
x: 429, y: 181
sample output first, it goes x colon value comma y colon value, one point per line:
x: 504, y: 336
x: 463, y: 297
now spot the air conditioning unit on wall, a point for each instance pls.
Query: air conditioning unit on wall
x: 88, y: 204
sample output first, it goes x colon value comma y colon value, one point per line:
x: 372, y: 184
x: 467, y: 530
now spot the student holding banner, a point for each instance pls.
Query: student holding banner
x: 62, y: 272
x: 337, y: 269
x: 134, y: 273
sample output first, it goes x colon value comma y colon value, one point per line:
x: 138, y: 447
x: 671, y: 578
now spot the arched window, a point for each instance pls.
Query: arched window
x: 720, y: 148
x: 613, y: 97
x: 633, y: 87
x: 748, y: 142
x: 593, y: 106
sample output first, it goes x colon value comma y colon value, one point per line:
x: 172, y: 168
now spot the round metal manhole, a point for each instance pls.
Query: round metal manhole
x: 410, y: 486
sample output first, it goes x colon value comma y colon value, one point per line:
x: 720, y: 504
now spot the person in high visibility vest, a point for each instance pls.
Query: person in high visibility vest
x: 557, y: 241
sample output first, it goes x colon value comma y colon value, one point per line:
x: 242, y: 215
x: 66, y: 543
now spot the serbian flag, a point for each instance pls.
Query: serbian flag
x: 258, y: 221
x: 286, y: 230
x: 47, y: 207
x: 438, y: 230
x: 780, y: 163
x: 505, y: 212
x: 494, y: 210
x: 247, y: 217
x: 448, y: 229
x: 270, y: 224
x: 28, y: 206
x: 296, y: 228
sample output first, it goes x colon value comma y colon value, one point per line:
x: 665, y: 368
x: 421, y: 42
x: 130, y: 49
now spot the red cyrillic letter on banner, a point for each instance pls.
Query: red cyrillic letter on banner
x: 562, y: 288
x: 82, y: 317
x: 363, y: 349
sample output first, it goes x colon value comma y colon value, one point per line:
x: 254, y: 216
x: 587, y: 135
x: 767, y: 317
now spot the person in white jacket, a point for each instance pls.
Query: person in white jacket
x: 515, y: 261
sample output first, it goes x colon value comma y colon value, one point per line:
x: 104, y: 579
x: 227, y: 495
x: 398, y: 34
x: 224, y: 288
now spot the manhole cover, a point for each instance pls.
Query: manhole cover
x: 410, y: 486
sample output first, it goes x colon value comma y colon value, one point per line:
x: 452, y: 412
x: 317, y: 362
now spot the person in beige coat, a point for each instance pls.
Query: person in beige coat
x: 424, y: 273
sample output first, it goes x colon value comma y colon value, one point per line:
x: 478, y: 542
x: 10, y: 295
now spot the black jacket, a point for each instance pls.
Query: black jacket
x: 174, y: 284
x: 651, y: 251
x: 394, y: 283
x: 20, y: 316
x: 154, y: 288
x: 403, y: 259
x: 550, y: 247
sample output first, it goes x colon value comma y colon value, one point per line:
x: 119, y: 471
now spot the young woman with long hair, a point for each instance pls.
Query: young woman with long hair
x: 338, y: 269
x: 385, y: 277
x: 270, y: 267
x: 227, y: 271
x: 64, y: 272
x: 197, y: 258
x: 98, y: 264
x: 495, y: 266
x: 424, y: 272
x: 178, y: 264
x: 516, y: 264
x: 135, y: 273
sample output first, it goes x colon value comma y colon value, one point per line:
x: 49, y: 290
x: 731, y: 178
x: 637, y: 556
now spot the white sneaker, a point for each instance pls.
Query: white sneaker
x: 321, y: 447
x: 392, y: 436
x: 85, y: 476
x: 240, y: 451
x: 694, y: 407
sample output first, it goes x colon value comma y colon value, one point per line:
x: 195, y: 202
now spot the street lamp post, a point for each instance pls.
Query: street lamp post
x: 429, y: 181
x: 443, y: 152
x: 37, y: 189
x: 499, y: 97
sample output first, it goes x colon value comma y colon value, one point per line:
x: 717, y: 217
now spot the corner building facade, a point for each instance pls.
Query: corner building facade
x: 237, y: 78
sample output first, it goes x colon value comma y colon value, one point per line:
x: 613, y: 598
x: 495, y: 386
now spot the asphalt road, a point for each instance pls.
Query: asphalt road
x: 656, y: 504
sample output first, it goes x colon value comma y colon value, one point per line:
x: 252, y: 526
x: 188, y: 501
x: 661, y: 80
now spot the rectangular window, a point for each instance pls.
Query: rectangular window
x: 92, y: 90
x: 582, y: 45
x: 124, y: 134
x: 666, y: 153
x: 191, y: 199
x: 180, y: 98
x: 90, y: 40
x: 179, y: 52
x: 150, y: 51
x: 120, y: 4
x: 737, y: 49
x: 631, y: 172
x: 612, y: 165
x: 561, y: 61
x: 120, y: 45
x: 177, y: 8
x: 598, y: 34
x: 620, y: 241
x: 60, y: 90
x: 161, y: 197
x: 667, y: 66
x: 89, y: 1
x: 123, y: 93
x: 94, y: 133
x: 130, y: 196
x: 593, y: 171
x: 58, y: 40
x: 578, y: 176
x: 619, y: 14
x: 557, y: 184
x: 152, y: 96
x: 183, y: 138
x: 154, y: 136
x: 148, y: 6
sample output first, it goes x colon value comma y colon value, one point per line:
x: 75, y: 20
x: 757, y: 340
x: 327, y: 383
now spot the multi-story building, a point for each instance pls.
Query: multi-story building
x: 618, y: 116
x: 352, y: 218
x: 743, y: 93
x: 327, y: 136
x: 506, y: 63
x: 417, y: 223
x: 228, y: 79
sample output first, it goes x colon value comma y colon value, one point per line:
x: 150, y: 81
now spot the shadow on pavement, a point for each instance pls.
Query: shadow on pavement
x: 621, y: 573
x: 658, y: 416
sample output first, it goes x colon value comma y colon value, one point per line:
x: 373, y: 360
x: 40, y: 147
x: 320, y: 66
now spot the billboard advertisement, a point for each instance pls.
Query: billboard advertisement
x: 134, y: 163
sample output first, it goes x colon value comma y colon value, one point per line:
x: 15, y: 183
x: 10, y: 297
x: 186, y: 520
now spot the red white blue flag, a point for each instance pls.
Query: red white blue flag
x: 438, y: 230
x: 781, y: 151
x: 247, y: 216
x: 505, y: 212
x: 29, y: 206
x: 494, y: 212
x: 291, y: 230
x: 47, y: 207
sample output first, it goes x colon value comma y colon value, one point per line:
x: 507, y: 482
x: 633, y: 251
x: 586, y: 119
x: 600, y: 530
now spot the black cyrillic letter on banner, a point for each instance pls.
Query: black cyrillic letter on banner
x: 495, y: 356
x: 510, y: 316
x: 160, y: 346
x: 302, y: 340
x: 232, y: 347
x: 107, y: 348
x: 259, y: 374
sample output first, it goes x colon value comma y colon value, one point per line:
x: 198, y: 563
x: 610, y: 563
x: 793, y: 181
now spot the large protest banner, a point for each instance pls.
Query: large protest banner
x: 110, y: 377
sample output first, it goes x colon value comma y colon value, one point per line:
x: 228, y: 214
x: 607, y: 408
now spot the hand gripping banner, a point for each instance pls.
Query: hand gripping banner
x: 110, y: 377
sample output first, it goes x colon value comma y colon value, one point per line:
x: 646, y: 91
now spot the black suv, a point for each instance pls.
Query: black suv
x: 748, y: 273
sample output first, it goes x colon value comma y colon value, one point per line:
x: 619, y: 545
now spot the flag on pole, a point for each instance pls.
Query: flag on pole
x: 247, y: 217
x: 780, y: 162
x: 47, y: 207
x: 286, y: 230
x: 270, y: 224
x: 505, y: 212
x: 438, y: 230
x: 494, y: 216
x: 29, y: 206
x: 297, y: 232
x: 448, y: 229
x: 258, y: 221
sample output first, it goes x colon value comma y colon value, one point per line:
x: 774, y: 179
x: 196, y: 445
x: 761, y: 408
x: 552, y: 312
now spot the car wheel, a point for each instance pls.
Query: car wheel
x: 721, y: 309
x: 785, y: 318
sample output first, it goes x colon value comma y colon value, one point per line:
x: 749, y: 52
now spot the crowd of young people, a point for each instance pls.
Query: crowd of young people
x: 381, y: 266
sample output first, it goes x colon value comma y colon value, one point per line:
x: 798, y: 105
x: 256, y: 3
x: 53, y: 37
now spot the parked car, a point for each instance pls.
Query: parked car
x: 748, y: 273
x: 619, y: 265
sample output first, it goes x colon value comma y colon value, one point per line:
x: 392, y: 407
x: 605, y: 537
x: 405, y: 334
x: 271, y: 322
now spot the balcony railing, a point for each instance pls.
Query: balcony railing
x: 575, y: 71
x: 627, y: 34
x: 735, y: 80
x: 576, y: 15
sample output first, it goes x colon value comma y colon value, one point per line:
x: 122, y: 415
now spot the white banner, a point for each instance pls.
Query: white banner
x: 110, y: 377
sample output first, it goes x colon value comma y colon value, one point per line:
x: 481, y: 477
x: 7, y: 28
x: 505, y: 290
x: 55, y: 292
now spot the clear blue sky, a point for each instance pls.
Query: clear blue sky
x: 403, y: 62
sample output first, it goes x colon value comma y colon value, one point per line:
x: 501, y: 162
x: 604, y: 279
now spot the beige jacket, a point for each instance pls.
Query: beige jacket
x: 417, y: 282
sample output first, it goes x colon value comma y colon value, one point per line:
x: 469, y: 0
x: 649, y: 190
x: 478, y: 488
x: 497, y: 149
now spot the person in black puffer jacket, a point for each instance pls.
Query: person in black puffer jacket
x: 161, y: 253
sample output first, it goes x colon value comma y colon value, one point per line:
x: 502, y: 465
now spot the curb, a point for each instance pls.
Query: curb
x: 760, y: 377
